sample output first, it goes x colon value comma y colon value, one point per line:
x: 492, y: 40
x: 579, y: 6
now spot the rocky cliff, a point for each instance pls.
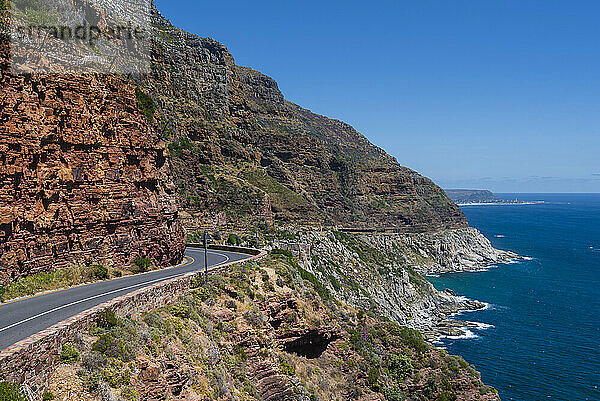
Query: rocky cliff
x: 92, y: 169
x: 446, y: 251
x: 382, y: 273
x: 86, y: 172
x: 83, y: 175
x: 242, y: 154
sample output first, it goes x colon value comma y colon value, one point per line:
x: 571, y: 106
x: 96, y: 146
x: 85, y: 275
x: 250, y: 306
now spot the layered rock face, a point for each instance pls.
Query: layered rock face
x: 83, y: 176
x: 244, y: 154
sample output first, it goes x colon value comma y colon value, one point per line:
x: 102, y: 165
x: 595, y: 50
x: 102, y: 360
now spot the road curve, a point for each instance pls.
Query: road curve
x: 23, y: 318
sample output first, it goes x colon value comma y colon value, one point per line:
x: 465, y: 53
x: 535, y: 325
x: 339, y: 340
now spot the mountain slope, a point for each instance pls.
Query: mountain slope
x: 242, y: 154
x: 86, y: 176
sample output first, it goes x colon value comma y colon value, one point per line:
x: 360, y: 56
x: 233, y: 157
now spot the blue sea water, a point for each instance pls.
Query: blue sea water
x: 544, y: 342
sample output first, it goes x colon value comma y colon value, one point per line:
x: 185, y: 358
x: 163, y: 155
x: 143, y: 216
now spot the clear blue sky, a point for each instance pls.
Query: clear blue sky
x: 502, y: 95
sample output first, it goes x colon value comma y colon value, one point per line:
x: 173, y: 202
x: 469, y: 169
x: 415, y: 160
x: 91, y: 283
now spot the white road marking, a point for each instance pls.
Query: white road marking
x: 108, y: 293
x: 214, y: 253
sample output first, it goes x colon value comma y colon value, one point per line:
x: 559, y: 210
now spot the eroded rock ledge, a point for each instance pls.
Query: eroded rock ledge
x: 464, y: 249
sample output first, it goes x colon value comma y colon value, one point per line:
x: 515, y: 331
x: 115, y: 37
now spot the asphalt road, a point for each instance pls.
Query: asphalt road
x: 21, y: 319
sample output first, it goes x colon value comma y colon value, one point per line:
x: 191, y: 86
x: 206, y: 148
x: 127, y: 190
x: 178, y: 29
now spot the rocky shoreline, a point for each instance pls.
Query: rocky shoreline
x: 384, y: 273
x: 453, y: 328
x: 455, y: 251
x: 444, y: 325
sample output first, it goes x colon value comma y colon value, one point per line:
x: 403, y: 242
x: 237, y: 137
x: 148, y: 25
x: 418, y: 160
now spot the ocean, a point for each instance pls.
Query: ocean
x: 540, y: 335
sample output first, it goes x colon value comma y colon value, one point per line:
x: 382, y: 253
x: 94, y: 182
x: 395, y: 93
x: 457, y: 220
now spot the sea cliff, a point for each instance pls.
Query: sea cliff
x: 383, y: 273
x: 447, y: 251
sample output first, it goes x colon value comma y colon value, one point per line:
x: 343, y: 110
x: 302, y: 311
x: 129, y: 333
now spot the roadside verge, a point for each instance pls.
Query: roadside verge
x: 30, y: 360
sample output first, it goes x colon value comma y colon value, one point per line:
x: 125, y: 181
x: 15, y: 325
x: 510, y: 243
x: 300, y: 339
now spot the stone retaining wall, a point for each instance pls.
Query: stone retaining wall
x: 31, y: 360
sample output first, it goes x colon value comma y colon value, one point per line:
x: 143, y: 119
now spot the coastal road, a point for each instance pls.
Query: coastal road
x: 23, y: 318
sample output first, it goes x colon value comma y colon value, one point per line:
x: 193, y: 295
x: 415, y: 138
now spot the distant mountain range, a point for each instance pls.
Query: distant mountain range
x: 462, y: 196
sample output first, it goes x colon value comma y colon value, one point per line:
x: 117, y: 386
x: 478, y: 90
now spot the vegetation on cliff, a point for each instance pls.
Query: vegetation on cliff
x: 262, y: 331
x: 10, y: 392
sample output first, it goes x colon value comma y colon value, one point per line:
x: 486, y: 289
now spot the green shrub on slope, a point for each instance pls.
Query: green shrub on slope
x: 69, y: 354
x: 10, y: 392
x: 145, y: 104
